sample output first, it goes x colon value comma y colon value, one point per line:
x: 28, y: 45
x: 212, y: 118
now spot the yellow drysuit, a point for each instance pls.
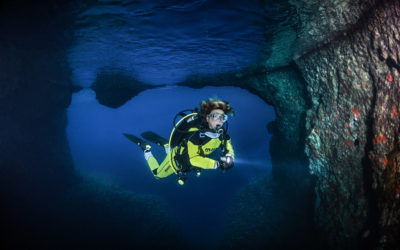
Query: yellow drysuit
x: 199, y: 145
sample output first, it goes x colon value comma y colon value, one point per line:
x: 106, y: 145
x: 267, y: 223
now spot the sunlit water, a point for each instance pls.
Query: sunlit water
x: 99, y: 149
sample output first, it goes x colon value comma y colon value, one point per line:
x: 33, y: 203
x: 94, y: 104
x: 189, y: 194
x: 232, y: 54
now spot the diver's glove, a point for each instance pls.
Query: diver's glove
x: 226, y: 162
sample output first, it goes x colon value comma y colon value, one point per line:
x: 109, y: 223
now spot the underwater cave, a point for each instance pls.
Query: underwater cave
x: 101, y: 152
x: 315, y: 90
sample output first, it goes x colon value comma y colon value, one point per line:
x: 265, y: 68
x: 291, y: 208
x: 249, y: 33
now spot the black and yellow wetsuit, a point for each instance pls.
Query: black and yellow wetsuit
x: 199, y: 145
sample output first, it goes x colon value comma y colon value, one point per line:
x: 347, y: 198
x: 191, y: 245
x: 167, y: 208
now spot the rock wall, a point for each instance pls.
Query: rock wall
x: 353, y: 130
x: 44, y: 204
x: 35, y: 92
x: 302, y: 25
x: 348, y: 56
x: 320, y: 22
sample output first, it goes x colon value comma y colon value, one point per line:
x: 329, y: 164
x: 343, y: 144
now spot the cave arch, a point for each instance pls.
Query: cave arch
x: 283, y: 89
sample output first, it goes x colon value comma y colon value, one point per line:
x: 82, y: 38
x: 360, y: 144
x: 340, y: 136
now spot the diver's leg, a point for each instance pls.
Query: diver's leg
x: 151, y: 161
x: 165, y: 168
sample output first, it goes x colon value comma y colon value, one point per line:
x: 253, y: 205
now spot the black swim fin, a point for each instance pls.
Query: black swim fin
x: 153, y: 137
x: 141, y: 143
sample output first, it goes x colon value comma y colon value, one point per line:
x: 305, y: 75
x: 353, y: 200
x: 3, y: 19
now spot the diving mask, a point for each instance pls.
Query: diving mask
x: 218, y: 117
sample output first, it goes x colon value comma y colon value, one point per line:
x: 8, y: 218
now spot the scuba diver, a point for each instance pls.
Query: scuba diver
x: 193, y: 138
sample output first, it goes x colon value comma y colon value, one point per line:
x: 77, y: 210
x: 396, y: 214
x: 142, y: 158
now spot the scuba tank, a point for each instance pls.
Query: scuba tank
x: 190, y: 118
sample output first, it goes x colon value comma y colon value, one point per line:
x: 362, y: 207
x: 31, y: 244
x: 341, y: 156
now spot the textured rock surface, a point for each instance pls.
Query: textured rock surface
x: 319, y: 22
x: 353, y: 128
x: 283, y: 36
x: 303, y: 25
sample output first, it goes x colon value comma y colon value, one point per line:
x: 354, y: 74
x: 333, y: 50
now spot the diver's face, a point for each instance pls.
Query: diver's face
x: 215, y: 118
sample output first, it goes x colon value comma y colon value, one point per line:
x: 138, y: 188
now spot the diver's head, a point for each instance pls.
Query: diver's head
x: 216, y: 118
x: 215, y: 112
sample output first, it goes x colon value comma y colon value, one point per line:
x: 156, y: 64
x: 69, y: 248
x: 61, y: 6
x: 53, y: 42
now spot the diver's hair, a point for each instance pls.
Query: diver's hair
x: 214, y: 103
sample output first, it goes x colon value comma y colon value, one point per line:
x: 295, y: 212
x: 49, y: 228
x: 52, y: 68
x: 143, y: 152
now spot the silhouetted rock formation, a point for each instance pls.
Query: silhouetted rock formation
x: 44, y: 205
x: 115, y: 89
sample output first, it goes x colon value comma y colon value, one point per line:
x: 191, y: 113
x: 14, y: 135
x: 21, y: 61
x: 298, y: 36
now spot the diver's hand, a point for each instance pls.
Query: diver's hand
x: 226, y: 162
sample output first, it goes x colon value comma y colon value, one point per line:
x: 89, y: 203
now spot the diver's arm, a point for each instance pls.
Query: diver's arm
x: 197, y: 160
x: 227, y: 160
x: 229, y: 147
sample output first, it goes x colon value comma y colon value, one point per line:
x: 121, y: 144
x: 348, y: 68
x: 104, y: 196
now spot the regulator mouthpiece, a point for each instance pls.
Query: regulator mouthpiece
x: 219, y: 129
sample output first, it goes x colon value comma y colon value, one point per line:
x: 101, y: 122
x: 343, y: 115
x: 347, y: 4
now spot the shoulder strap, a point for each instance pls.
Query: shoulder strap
x: 223, y: 144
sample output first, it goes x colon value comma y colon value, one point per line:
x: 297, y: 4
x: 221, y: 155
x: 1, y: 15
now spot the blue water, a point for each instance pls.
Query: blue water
x: 163, y: 42
x: 101, y: 151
